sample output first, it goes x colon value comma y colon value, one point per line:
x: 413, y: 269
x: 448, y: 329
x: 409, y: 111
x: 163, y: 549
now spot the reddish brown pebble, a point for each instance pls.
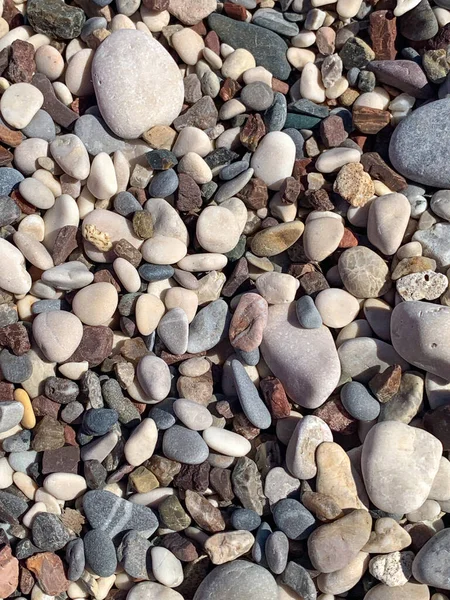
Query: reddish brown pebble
x: 280, y: 86
x: 10, y: 137
x: 332, y: 131
x: 248, y: 322
x: 163, y: 468
x: 189, y: 196
x: 254, y: 194
x: 9, y: 572
x: 181, y: 547
x: 125, y: 250
x: 15, y: 337
x: 275, y: 397
x: 62, y: 460
x: 378, y: 169
x: 139, y: 194
x: 26, y: 581
x: 237, y: 278
x: 5, y: 157
x: 212, y: 42
x: 253, y: 130
x: 58, y: 111
x: 96, y: 344
x: 172, y: 359
x: 25, y: 207
x: 11, y: 15
x: 383, y: 33
x: 385, y: 385
x: 313, y: 283
x: 70, y: 436
x: 242, y: 426
x: 336, y: 417
x: 318, y: 199
x: 225, y: 409
x: 49, y: 571
x: 22, y: 66
x: 207, y: 516
x: 193, y: 477
x: 43, y: 406
x: 235, y: 11
x: 220, y: 481
x: 290, y: 190
x: 370, y: 120
x: 106, y: 276
x: 229, y: 89
x: 301, y: 167
x: 348, y: 239
x: 65, y: 243
x: 6, y: 392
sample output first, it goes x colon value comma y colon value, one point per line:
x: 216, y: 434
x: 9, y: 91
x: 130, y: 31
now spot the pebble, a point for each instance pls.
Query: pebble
x: 293, y: 519
x: 337, y: 307
x: 144, y: 436
x: 358, y: 402
x: 184, y: 445
x: 115, y: 83
x: 217, y: 230
x: 96, y: 303
x: 208, y: 327
x: 267, y: 166
x: 64, y: 486
x: 11, y: 414
x: 354, y: 265
x: 19, y: 104
x: 192, y: 415
x: 252, y: 405
x: 226, y: 442
x: 154, y: 377
x: 14, y: 278
x: 100, y: 554
x: 309, y: 433
x: 307, y: 313
x: 238, y: 577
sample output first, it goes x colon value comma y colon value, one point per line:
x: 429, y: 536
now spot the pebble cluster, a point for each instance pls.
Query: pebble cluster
x: 224, y: 299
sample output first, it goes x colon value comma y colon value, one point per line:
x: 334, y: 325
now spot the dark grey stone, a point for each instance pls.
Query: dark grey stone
x: 25, y: 548
x: 209, y: 327
x: 72, y: 411
x: 366, y: 81
x: 9, y: 211
x: 8, y: 315
x: 419, y: 24
x: 150, y: 272
x: 100, y: 553
x: 163, y: 184
x: 268, y: 48
x: 250, y: 358
x: 19, y: 442
x: 11, y: 507
x: 298, y: 579
x: 275, y: 115
x: 259, y: 547
x: 310, y: 108
x: 61, y: 390
x: 298, y: 140
x: 420, y: 144
x: 245, y: 518
x: 98, y: 421
x: 219, y: 158
x: 95, y: 474
x: 253, y: 406
x: 161, y: 160
x: 352, y: 76
x: 114, y: 398
x: 163, y: 414
x: 126, y: 204
x: 307, y: 314
x: 49, y: 534
x: 15, y: 368
x: 9, y: 180
x: 274, y: 20
x: 293, y: 519
x: 41, y: 126
x: 358, y: 402
x: 55, y: 18
x: 96, y: 135
x: 430, y: 565
x: 112, y: 514
x: 238, y: 579
x: 133, y: 553
x: 232, y: 187
x: 90, y: 386
x: 277, y: 551
x: 43, y: 306
x: 75, y: 559
x: 231, y: 171
x: 184, y: 445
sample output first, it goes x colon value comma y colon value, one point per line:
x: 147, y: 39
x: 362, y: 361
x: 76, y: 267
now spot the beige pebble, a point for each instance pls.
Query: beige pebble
x: 78, y: 73
x: 49, y: 180
x: 311, y: 86
x: 387, y: 222
x: 217, y: 229
x: 26, y: 155
x: 127, y: 274
x: 162, y: 250
x: 159, y: 288
x: 277, y: 288
x: 379, y: 98
x: 237, y: 62
x: 96, y: 303
x: 33, y: 251
x: 121, y: 22
x: 332, y: 160
x: 63, y: 212
x: 36, y: 509
x: 24, y: 307
x: 194, y: 165
x: 102, y: 182
x: 337, y: 307
x: 230, y: 109
x: 25, y: 484
x: 64, y: 486
x: 149, y: 311
x: 258, y: 74
x: 33, y: 225
x: 62, y: 92
x: 18, y: 33
x: 19, y: 104
x: 337, y: 89
x: 154, y: 20
x: 39, y: 39
x: 322, y: 235
x: 49, y: 62
x: 4, y: 27
x: 188, y: 44
x: 299, y: 57
x: 140, y: 445
x: 73, y: 47
x: 29, y: 419
x: 196, y: 263
x: 192, y: 139
x: 36, y: 193
x: 194, y: 367
x: 305, y: 38
x: 71, y: 155
x: 178, y: 297
x: 74, y: 370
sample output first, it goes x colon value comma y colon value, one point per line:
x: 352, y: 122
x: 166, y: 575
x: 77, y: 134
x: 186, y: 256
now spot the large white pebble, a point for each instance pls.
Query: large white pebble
x: 71, y: 155
x: 127, y: 274
x: 332, y: 160
x: 274, y: 159
x: 14, y: 277
x: 192, y: 414
x: 387, y: 223
x: 33, y: 250
x: 140, y: 445
x: 166, y: 567
x: 58, y: 334
x: 162, y: 250
x: 19, y: 103
x: 154, y: 376
x: 65, y: 486
x: 217, y: 229
x: 337, y: 307
x: 36, y: 193
x: 49, y: 62
x: 192, y: 139
x: 96, y: 303
x: 102, y: 182
x: 153, y: 590
x: 226, y: 442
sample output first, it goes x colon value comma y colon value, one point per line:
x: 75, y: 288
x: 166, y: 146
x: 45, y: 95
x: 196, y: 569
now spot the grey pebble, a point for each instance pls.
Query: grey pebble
x: 173, y: 330
x: 307, y: 314
x: 257, y: 96
x: 9, y: 180
x: 111, y: 514
x: 245, y: 518
x: 220, y: 158
x: 43, y: 306
x: 114, y: 398
x: 8, y: 315
x: 98, y: 421
x: 250, y: 358
x: 253, y: 406
x: 61, y: 390
x: 24, y: 549
x: 366, y: 81
x: 259, y: 547
x: 298, y: 579
x: 72, y: 411
x: 209, y: 327
x: 163, y: 184
x: 352, y: 76
x: 133, y: 553
x: 15, y: 368
x: 19, y: 442
x: 48, y: 532
x: 100, y: 553
x: 91, y: 25
x: 126, y: 204
x: 293, y: 519
x: 358, y: 402
x: 95, y: 474
x: 184, y: 445
x: 232, y: 187
x: 9, y: 211
x: 75, y: 559
x: 231, y: 171
x: 298, y: 140
x: 127, y: 304
x: 90, y: 386
x: 310, y: 108
x: 11, y: 507
x: 163, y: 414
x: 11, y: 414
x: 274, y: 20
x: 22, y: 461
x: 41, y: 126
x: 275, y: 116
x: 96, y: 135
x: 150, y: 272
x: 416, y: 197
x: 277, y: 550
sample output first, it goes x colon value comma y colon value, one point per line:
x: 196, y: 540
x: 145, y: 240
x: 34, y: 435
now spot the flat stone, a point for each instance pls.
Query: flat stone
x: 96, y: 135
x: 9, y: 571
x: 298, y: 579
x: 240, y: 578
x: 309, y: 433
x: 209, y: 326
x: 49, y: 571
x: 254, y: 38
x: 15, y: 369
x: 364, y: 273
x: 399, y: 483
x: 276, y: 551
x: 185, y: 446
x: 247, y: 485
x: 302, y: 376
x: 118, y: 87
x: 362, y: 358
x: 254, y: 408
x: 279, y: 485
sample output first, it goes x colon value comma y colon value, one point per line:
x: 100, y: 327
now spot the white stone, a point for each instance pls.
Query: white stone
x: 188, y: 44
x: 277, y: 288
x: 332, y: 160
x: 387, y: 222
x: 127, y: 274
x: 33, y: 250
x: 96, y: 303
x: 322, y: 235
x: 65, y: 486
x: 14, y: 277
x: 166, y: 568
x: 101, y: 228
x: 153, y: 590
x: 78, y: 73
x: 192, y: 414
x: 274, y: 159
x: 310, y: 432
x: 58, y: 334
x: 63, y: 212
x: 149, y: 310
x: 102, y: 182
x: 299, y: 57
x: 166, y: 220
x: 141, y: 444
x: 237, y: 62
x: 6, y: 474
x: 36, y: 509
x: 217, y: 229
x: 192, y: 139
x: 68, y: 276
x: 195, y: 263
x: 163, y: 250
x: 154, y: 376
x: 19, y: 103
x: 71, y: 155
x: 137, y: 83
x: 311, y: 86
x: 49, y: 62
x: 337, y: 307
x: 36, y: 193
x: 196, y: 167
x: 226, y: 442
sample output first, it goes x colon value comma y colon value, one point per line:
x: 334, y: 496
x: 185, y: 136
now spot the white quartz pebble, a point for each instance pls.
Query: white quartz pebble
x: 166, y: 567
x: 65, y: 486
x: 140, y: 445
x: 19, y: 103
x: 274, y: 159
x: 226, y: 442
x: 311, y: 86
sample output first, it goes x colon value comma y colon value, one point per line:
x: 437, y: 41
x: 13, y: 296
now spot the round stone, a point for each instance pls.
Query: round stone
x: 151, y: 589
x: 387, y: 222
x: 245, y: 518
x: 193, y: 415
x: 364, y: 273
x: 154, y: 376
x: 358, y: 402
x: 274, y: 158
x: 293, y: 519
x: 322, y: 236
x: 307, y: 314
x: 96, y: 303
x: 238, y: 579
x: 257, y: 96
x: 100, y: 553
x: 137, y: 83
x: 19, y: 103
x: 58, y: 334
x: 217, y: 229
x: 337, y: 307
x: 184, y: 445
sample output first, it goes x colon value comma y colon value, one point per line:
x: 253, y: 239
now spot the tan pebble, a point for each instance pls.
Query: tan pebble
x: 322, y: 236
x: 121, y: 22
x: 96, y: 303
x: 163, y: 250
x: 28, y: 419
x: 299, y: 57
x: 236, y: 63
x: 74, y: 370
x: 178, y: 297
x: 354, y: 184
x: 128, y: 275
x: 33, y: 225
x: 19, y: 104
x: 36, y: 193
x: 194, y: 367
x: 160, y: 137
x: 192, y: 139
x: 188, y: 44
x: 196, y: 263
x: 337, y: 307
x: 24, y: 307
x: 78, y: 73
x: 49, y: 181
x: 194, y: 165
x: 49, y: 62
x: 277, y: 288
x: 154, y: 20
x: 25, y: 484
x: 387, y: 222
x: 34, y: 251
x: 225, y: 547
x: 217, y: 229
x: 149, y: 311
